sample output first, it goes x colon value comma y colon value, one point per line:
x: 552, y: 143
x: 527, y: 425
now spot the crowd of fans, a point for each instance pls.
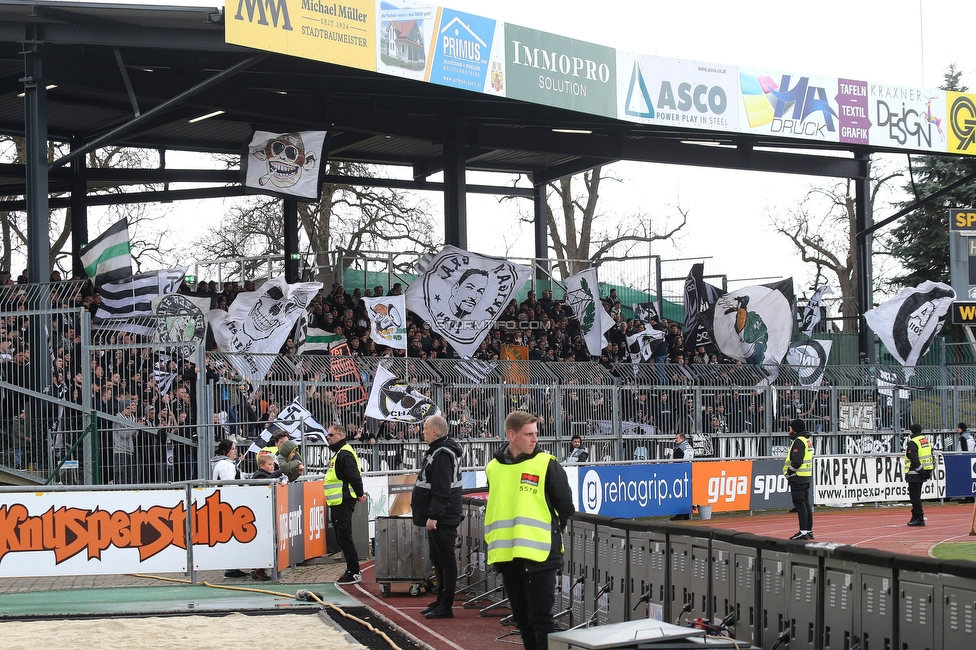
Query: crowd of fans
x: 157, y: 394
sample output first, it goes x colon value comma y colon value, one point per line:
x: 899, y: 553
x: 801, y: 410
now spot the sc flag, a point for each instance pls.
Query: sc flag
x: 960, y: 472
x: 636, y: 490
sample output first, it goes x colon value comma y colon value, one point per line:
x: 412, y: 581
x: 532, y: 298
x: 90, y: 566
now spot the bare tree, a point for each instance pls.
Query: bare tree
x: 823, y: 229
x: 581, y: 234
x: 351, y: 218
x: 146, y: 239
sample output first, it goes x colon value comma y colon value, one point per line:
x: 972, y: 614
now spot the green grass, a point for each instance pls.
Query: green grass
x: 955, y: 551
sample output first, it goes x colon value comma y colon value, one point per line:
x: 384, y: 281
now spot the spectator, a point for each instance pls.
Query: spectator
x: 578, y: 453
x: 289, y: 460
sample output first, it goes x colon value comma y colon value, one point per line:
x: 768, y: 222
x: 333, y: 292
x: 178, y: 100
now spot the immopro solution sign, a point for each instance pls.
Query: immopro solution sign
x: 645, y: 490
x: 557, y: 71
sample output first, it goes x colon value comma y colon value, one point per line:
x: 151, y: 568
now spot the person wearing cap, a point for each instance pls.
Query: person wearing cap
x: 919, y: 464
x: 966, y: 442
x: 798, y: 469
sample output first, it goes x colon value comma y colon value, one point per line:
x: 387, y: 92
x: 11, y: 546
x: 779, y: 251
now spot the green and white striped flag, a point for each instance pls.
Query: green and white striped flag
x: 107, y: 258
x: 317, y: 339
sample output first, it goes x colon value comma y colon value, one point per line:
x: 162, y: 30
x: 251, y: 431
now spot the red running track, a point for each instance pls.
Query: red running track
x: 882, y: 528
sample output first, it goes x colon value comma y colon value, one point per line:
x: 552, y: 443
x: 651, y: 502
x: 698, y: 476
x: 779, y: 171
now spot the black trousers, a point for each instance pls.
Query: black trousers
x: 440, y: 544
x: 341, y: 516
x: 532, y: 595
x: 915, y: 496
x: 801, y: 501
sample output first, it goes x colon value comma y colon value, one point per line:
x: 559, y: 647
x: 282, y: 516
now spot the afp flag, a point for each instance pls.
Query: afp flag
x: 754, y: 324
x: 699, y: 296
x: 394, y: 399
x: 907, y: 323
x: 284, y: 164
x: 811, y: 313
x: 583, y: 297
x: 810, y: 360
x: 388, y: 318
x: 258, y: 324
x: 462, y: 294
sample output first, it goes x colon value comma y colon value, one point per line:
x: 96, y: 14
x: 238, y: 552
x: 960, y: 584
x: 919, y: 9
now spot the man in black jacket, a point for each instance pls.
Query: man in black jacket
x: 436, y: 505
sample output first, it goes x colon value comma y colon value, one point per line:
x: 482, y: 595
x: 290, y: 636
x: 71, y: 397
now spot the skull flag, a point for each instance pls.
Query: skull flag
x: 284, y: 164
x: 258, y: 323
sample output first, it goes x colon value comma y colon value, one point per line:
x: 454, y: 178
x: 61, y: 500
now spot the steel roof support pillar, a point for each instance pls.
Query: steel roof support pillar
x: 292, y: 256
x: 864, y: 218
x: 79, y: 211
x: 455, y: 199
x: 541, y: 223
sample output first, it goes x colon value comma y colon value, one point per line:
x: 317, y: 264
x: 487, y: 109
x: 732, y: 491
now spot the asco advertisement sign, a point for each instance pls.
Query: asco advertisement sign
x: 636, y: 490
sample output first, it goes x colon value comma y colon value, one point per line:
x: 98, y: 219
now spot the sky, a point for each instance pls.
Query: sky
x: 907, y: 42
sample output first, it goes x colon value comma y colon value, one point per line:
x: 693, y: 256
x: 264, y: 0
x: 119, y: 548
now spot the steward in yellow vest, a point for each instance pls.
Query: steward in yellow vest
x: 798, y: 469
x: 529, y: 504
x: 343, y: 489
x: 918, y: 469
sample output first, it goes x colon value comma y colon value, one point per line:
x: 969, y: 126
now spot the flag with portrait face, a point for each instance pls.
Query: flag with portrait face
x: 258, y: 323
x: 462, y: 294
x: 909, y: 322
x: 388, y: 321
x: 284, y: 164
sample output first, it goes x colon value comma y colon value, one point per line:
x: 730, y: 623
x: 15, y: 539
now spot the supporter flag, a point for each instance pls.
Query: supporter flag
x: 394, y: 399
x: 754, y: 324
x: 909, y: 322
x: 163, y: 374
x: 388, y: 317
x: 127, y: 305
x: 810, y: 360
x: 296, y: 420
x: 313, y: 339
x: 258, y: 324
x: 474, y: 371
x: 462, y: 294
x: 107, y: 258
x: 811, y: 313
x: 642, y: 344
x: 645, y: 311
x: 181, y: 321
x: 699, y: 297
x: 284, y: 164
x: 583, y: 297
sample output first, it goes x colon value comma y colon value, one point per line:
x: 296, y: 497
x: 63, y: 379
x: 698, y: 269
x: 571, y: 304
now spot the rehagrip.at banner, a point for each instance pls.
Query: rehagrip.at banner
x: 636, y: 490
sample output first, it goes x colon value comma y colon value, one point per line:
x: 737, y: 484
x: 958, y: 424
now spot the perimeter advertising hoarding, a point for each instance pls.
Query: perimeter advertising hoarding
x: 960, y: 472
x: 770, y: 488
x: 301, y: 521
x: 961, y: 112
x: 906, y: 116
x: 789, y: 105
x: 405, y: 37
x: 845, y: 480
x: 334, y: 32
x: 112, y: 532
x: 549, y: 69
x: 468, y: 53
x: 656, y: 90
x: 629, y: 491
x: 724, y: 485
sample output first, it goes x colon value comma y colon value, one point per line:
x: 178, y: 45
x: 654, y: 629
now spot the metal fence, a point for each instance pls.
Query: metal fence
x: 117, y: 408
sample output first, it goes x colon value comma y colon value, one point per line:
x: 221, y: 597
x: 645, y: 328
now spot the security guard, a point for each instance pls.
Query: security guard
x: 343, y: 489
x: 798, y: 469
x: 918, y: 469
x: 529, y: 504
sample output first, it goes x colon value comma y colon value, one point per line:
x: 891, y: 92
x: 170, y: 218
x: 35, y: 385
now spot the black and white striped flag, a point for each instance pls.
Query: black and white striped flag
x: 474, y: 370
x: 127, y: 304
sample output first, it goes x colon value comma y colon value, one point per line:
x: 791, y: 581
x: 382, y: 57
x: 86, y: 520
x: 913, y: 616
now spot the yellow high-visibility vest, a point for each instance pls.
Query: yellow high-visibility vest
x: 806, y: 469
x: 924, y: 453
x: 333, y: 484
x: 518, y: 521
